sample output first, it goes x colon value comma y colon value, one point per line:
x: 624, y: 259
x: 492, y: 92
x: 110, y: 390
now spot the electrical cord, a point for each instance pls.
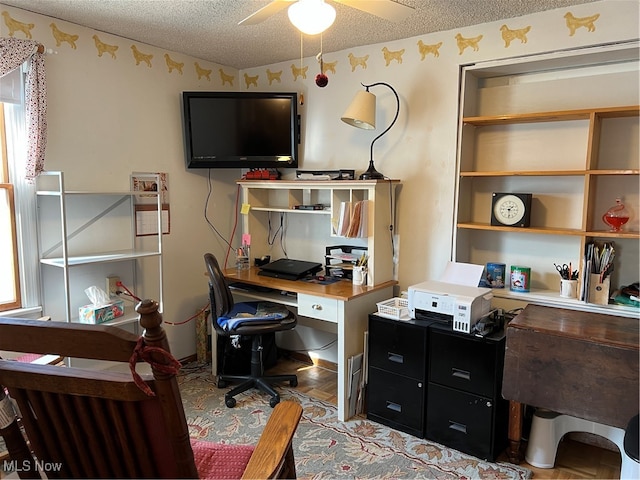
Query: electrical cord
x: 392, y: 218
x: 271, y: 239
x: 324, y: 347
x: 206, y: 204
x: 196, y: 315
x: 235, y: 225
x: 126, y: 291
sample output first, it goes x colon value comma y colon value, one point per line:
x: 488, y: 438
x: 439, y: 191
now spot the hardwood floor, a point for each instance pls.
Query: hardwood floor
x: 575, y: 460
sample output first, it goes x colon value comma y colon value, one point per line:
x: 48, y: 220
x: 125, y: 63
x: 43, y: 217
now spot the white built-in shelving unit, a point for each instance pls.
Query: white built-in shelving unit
x: 566, y: 129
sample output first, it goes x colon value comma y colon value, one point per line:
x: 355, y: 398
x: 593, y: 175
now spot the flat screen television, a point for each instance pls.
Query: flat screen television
x: 240, y: 129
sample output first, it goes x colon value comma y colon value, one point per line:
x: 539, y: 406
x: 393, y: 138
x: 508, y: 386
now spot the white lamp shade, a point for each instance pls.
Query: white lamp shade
x: 311, y: 16
x: 362, y: 111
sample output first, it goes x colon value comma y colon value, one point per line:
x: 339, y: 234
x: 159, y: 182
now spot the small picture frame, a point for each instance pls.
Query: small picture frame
x: 150, y: 182
x: 146, y: 204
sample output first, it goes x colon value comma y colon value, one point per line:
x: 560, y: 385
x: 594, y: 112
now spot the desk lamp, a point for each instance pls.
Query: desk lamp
x: 362, y: 114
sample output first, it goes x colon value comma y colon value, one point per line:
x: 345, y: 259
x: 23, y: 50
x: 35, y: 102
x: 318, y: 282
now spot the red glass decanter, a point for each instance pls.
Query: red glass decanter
x: 616, y: 216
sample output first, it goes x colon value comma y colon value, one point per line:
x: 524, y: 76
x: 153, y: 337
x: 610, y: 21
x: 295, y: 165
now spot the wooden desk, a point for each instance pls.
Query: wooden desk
x: 343, y: 304
x: 575, y: 363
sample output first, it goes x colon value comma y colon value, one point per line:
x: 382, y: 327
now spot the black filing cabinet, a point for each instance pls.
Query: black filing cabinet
x: 465, y: 409
x: 397, y: 387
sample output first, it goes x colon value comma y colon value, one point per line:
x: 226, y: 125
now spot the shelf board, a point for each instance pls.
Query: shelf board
x: 98, y: 258
x: 316, y: 184
x: 127, y: 318
x: 559, y: 116
x: 552, y: 298
x: 523, y: 173
x: 548, y: 173
x: 630, y: 171
x: 57, y: 193
x: 291, y: 210
x: 618, y: 112
x: 608, y: 234
x: 550, y: 231
x: 541, y: 230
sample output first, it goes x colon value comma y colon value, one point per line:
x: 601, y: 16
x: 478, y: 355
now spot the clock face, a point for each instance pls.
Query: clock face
x: 511, y: 209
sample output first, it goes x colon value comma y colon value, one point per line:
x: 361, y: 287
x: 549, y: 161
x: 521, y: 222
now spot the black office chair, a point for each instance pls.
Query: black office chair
x: 223, y: 307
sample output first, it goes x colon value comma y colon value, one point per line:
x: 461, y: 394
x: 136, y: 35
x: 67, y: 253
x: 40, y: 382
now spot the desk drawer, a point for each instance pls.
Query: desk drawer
x: 318, y: 307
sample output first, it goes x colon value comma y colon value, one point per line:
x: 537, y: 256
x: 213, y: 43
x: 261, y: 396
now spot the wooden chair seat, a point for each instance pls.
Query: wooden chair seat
x: 83, y: 423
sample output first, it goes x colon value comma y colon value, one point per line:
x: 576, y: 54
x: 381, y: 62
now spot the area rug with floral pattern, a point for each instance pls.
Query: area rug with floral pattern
x: 324, y: 447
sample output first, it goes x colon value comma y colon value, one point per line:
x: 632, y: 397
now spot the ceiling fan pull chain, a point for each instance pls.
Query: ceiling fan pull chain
x: 321, y: 79
x: 301, y: 93
x: 301, y: 52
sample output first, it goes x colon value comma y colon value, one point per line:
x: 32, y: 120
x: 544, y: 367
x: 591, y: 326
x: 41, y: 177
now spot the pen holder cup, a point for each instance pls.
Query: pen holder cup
x: 598, y: 291
x: 359, y: 275
x: 242, y: 262
x: 568, y: 288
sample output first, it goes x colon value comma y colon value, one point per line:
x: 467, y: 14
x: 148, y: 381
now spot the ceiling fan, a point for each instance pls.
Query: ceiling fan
x: 387, y: 9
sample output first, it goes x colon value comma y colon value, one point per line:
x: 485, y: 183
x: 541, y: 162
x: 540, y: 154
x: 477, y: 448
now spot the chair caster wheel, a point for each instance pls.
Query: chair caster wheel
x: 273, y: 401
x: 221, y: 383
x: 230, y: 402
x: 294, y: 383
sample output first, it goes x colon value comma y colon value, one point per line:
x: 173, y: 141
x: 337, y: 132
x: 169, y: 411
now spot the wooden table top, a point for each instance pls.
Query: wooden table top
x: 340, y: 290
x: 593, y: 327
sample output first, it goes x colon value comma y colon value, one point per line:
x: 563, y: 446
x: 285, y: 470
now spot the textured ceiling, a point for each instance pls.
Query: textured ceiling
x: 209, y: 30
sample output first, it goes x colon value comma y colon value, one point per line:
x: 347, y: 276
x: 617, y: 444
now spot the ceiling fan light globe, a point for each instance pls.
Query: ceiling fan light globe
x: 311, y: 16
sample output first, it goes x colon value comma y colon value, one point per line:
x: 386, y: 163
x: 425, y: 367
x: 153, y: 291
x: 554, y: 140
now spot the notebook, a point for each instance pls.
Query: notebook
x: 289, y: 269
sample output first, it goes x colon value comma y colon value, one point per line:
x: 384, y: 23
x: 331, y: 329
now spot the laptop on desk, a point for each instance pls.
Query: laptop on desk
x: 289, y: 269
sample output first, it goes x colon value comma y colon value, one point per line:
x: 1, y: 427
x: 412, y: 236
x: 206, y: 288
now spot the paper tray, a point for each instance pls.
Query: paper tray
x: 396, y: 308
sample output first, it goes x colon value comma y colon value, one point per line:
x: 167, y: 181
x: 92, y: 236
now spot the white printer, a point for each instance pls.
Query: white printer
x: 449, y: 302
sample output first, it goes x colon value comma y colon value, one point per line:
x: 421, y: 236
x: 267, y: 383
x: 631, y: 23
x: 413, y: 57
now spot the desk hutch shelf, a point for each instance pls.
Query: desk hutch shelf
x: 268, y: 203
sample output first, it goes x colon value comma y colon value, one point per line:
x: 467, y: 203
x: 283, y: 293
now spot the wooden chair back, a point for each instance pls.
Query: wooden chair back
x: 97, y: 424
x: 83, y: 423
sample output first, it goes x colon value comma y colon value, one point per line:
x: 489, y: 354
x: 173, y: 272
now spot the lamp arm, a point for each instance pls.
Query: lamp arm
x: 394, y: 118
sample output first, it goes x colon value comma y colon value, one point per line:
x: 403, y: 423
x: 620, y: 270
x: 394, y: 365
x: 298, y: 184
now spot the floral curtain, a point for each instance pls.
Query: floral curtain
x: 13, y: 53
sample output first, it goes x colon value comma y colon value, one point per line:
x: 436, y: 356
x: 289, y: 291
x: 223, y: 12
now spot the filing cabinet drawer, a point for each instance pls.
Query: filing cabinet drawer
x: 398, y: 347
x: 461, y: 420
x: 466, y: 363
x: 396, y: 401
x: 318, y: 307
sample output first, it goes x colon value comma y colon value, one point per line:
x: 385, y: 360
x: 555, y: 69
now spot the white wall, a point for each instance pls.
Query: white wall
x: 109, y: 117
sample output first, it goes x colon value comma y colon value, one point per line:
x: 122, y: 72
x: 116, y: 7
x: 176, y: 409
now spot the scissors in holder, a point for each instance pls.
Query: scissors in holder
x: 564, y: 270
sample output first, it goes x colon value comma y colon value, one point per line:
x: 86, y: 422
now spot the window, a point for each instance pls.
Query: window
x: 20, y: 285
x: 10, y: 282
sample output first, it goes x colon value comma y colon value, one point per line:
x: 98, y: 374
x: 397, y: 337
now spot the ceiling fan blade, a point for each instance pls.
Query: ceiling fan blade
x: 265, y: 12
x: 387, y: 9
